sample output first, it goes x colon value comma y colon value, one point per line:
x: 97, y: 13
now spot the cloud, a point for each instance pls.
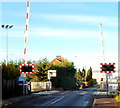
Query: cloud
x: 63, y: 33
x: 111, y: 21
x: 69, y: 33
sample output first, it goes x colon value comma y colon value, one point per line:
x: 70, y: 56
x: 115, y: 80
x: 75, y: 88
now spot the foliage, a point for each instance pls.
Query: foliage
x: 89, y: 75
x: 83, y: 74
x: 92, y: 82
x: 78, y: 76
x: 41, y: 71
x: 117, y: 98
x: 99, y: 89
x: 65, y: 75
x: 10, y: 71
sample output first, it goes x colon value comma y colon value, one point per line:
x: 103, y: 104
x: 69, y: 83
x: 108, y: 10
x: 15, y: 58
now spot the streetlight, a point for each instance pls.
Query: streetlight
x: 7, y: 27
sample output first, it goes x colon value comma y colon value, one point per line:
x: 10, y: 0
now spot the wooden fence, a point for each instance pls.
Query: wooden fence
x: 10, y: 88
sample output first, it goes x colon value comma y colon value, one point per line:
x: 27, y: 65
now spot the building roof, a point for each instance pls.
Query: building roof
x: 59, y: 60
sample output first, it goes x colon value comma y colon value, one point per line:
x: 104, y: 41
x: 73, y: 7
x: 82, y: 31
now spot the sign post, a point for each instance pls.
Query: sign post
x: 107, y: 68
x: 25, y: 69
x: 51, y: 73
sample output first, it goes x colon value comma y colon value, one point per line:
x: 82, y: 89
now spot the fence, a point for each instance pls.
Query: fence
x: 40, y: 86
x: 10, y: 88
x: 112, y: 88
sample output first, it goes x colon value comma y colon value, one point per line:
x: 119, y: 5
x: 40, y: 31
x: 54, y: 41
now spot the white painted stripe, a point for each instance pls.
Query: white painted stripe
x: 97, y: 93
x: 57, y: 100
x: 94, y: 103
x: 86, y: 103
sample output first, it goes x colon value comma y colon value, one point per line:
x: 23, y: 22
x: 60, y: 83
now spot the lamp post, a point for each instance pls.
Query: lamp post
x: 7, y: 27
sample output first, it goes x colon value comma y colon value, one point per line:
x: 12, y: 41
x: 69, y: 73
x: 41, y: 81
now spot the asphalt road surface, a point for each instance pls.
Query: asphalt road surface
x: 83, y: 98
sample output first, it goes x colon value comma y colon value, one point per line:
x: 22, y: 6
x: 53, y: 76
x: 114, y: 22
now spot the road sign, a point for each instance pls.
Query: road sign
x: 51, y: 73
x: 21, y: 78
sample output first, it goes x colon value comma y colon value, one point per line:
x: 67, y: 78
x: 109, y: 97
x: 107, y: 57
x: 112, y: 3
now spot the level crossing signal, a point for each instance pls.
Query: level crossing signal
x: 107, y: 68
x: 26, y: 68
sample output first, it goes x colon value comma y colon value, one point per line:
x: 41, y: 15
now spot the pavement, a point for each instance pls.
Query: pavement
x: 102, y: 100
x: 22, y: 98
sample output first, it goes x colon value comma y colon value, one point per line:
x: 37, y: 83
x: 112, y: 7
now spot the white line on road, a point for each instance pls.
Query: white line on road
x: 86, y: 103
x: 94, y: 103
x: 97, y: 93
x: 83, y: 93
x: 57, y: 100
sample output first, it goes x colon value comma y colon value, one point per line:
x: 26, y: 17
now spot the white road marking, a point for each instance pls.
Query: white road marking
x: 97, y: 93
x: 100, y: 93
x: 83, y: 93
x: 57, y: 100
x: 94, y: 103
x: 86, y: 103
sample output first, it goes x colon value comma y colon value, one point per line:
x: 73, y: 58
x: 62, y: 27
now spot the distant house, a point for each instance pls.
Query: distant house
x: 59, y: 60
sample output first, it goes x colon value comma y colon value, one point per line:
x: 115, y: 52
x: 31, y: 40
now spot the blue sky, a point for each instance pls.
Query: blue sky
x: 69, y: 29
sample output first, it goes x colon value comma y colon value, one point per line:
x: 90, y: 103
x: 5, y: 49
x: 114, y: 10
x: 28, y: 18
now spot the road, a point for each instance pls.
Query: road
x: 82, y: 98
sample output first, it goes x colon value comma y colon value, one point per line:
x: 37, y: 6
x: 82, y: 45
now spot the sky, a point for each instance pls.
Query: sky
x: 67, y: 29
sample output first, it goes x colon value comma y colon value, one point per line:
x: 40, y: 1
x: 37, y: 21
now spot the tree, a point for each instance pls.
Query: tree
x: 42, y: 69
x: 78, y: 76
x: 83, y: 74
x: 89, y: 75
